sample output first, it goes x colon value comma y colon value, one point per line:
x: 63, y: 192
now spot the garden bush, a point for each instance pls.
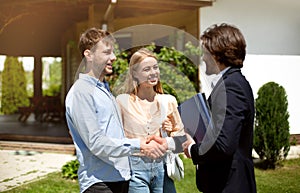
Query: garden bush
x: 70, y: 169
x: 271, y: 134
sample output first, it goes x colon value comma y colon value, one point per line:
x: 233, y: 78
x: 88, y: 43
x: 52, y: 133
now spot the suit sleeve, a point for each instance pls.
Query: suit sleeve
x: 228, y: 115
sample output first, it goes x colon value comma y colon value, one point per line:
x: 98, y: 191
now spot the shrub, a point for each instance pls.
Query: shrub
x: 293, y: 141
x: 14, y: 94
x: 69, y: 170
x: 271, y: 134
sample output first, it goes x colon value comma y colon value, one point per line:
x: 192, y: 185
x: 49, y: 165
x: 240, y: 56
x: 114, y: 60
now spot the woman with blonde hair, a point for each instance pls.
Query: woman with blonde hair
x: 145, y: 109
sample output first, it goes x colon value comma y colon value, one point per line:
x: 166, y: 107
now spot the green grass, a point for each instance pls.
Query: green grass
x: 52, y: 183
x: 282, y: 180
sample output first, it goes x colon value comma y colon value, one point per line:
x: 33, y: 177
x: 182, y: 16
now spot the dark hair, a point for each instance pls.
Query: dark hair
x: 226, y: 43
x: 91, y: 37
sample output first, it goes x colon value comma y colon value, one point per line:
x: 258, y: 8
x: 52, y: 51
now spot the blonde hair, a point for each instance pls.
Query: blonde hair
x: 131, y: 82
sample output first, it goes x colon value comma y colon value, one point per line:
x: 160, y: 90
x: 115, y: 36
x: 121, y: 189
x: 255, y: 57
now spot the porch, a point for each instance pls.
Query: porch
x: 34, y: 135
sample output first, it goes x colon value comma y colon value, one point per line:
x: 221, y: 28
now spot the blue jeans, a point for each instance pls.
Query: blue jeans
x: 147, y: 175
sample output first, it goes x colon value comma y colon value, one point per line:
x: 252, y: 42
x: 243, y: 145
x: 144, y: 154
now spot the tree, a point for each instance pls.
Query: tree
x: 271, y: 134
x: 14, y: 93
x: 53, y: 84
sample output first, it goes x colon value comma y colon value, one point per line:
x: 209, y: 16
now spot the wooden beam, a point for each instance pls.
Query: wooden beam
x: 163, y: 5
x: 109, y: 12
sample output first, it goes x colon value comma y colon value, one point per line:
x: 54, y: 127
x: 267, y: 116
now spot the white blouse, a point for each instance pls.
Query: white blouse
x: 142, y: 118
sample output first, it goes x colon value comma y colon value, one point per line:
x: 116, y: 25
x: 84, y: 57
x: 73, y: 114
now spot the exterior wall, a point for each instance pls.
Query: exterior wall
x: 295, y: 138
x: 271, y: 29
x: 270, y: 26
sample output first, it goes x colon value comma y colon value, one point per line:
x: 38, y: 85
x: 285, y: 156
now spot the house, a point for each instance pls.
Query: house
x: 271, y: 29
x: 51, y: 28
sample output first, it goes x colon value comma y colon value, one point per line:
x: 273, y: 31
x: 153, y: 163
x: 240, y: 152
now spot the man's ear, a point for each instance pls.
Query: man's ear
x: 87, y: 55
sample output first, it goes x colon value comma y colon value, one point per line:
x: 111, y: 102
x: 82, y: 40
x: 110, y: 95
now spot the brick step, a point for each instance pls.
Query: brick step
x: 33, y: 138
x: 39, y: 147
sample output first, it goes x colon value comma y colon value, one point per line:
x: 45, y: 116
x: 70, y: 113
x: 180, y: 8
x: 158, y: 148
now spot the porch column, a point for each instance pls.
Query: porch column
x: 37, y: 76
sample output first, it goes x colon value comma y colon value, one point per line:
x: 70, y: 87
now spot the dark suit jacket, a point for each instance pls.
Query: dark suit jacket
x: 227, y: 166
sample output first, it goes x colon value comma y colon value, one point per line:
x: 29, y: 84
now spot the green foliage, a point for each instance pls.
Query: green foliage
x: 69, y: 170
x: 182, y: 62
x: 294, y: 141
x: 53, y: 84
x: 120, y: 65
x: 14, y: 93
x: 29, y: 80
x: 271, y: 134
x: 175, y: 82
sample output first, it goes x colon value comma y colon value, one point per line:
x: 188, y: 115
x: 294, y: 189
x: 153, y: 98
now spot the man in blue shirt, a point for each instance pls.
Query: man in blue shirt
x: 95, y: 123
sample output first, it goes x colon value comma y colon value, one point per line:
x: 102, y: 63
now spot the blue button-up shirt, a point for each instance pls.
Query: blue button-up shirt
x: 95, y: 124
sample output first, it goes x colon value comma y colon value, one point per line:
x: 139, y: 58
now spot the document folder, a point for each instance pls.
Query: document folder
x: 196, y: 116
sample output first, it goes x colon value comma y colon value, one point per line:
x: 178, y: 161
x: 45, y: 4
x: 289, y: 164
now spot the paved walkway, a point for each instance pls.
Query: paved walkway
x: 293, y: 153
x: 20, y: 167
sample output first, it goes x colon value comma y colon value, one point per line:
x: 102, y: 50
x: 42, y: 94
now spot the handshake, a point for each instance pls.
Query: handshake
x: 155, y: 146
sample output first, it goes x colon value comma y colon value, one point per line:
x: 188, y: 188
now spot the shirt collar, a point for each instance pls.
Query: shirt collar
x: 88, y: 78
x: 94, y: 81
x: 218, y: 76
x: 224, y: 70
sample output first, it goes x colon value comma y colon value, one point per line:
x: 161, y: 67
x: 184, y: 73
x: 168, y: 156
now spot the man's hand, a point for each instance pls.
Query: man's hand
x: 186, y: 145
x: 160, y: 140
x: 157, y: 139
x: 153, y: 149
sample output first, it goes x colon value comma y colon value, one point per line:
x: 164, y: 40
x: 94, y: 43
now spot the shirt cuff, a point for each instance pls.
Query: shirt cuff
x: 171, y: 143
x: 189, y: 148
x: 134, y: 145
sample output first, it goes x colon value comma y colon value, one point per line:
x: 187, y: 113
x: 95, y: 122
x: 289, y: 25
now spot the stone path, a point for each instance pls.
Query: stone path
x: 20, y: 167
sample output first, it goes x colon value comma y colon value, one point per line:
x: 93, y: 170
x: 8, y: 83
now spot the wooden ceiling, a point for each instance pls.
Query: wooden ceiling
x: 35, y: 27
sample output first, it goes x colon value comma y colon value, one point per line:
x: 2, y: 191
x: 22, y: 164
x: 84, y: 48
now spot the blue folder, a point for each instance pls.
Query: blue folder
x: 196, y: 116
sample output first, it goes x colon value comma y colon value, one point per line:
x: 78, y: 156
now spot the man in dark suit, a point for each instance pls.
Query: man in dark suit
x: 223, y: 158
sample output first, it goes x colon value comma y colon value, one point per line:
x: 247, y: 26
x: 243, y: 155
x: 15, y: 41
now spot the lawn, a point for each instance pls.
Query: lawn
x: 281, y: 180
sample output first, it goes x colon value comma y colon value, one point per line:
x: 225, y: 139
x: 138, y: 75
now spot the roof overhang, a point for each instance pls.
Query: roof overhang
x: 35, y: 27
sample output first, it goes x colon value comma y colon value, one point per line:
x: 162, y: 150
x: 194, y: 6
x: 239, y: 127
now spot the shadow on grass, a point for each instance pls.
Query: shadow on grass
x: 266, y: 164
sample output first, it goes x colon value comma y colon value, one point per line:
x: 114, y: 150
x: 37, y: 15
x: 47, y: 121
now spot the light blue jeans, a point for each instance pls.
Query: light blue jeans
x: 147, y: 175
